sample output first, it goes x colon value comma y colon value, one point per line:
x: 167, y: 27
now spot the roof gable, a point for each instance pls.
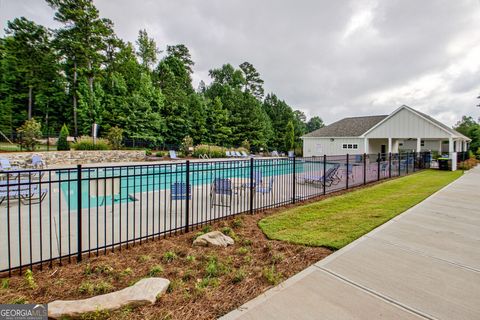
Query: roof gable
x: 347, y: 127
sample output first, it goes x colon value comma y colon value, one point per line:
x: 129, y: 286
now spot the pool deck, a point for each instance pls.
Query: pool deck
x: 423, y: 264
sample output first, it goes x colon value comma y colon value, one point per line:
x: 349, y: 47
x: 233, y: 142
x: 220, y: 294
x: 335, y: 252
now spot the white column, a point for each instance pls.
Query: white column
x: 366, y: 146
x: 419, y: 145
x: 440, y: 146
x: 450, y: 145
x: 389, y: 145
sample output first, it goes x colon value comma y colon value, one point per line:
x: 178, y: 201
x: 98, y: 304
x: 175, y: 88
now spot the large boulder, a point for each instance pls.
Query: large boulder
x: 145, y: 291
x: 214, y: 238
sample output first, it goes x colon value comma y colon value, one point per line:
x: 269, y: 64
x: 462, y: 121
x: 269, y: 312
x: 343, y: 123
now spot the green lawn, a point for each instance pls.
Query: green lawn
x: 5, y: 146
x: 337, y: 221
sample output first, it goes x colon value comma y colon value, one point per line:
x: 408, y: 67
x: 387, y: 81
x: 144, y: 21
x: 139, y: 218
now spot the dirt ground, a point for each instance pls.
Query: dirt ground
x: 205, y: 282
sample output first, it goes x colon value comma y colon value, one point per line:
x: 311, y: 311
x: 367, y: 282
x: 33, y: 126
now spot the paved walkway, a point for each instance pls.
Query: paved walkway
x: 423, y: 264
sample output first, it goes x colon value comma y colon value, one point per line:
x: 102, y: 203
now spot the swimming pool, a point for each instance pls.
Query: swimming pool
x: 125, y: 182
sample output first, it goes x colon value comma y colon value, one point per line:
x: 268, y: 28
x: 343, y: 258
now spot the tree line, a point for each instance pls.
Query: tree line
x: 82, y: 73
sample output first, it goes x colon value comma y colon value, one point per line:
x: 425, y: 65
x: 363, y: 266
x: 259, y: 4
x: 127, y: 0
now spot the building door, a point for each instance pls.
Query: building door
x: 383, y: 151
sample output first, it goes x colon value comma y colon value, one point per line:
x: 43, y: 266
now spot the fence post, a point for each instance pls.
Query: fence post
x: 251, y: 186
x: 406, y: 165
x: 79, y: 213
x: 293, y: 178
x: 389, y: 165
x: 399, y: 156
x: 187, y: 204
x: 324, y: 171
x: 364, y: 168
x: 414, y: 160
x: 346, y: 182
x: 378, y: 167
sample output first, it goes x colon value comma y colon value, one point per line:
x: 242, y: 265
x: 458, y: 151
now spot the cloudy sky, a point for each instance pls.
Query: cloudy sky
x: 328, y: 58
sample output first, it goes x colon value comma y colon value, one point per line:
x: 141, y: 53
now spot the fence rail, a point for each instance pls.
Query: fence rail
x: 54, y: 215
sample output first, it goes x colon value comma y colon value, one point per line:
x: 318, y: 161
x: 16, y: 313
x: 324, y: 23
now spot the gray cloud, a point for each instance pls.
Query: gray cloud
x: 327, y: 58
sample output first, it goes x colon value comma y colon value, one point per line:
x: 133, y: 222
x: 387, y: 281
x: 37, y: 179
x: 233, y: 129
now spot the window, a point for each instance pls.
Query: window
x: 422, y: 143
x: 350, y: 146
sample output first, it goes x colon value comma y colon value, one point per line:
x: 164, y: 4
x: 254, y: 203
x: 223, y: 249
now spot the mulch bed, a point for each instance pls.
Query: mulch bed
x: 214, y: 282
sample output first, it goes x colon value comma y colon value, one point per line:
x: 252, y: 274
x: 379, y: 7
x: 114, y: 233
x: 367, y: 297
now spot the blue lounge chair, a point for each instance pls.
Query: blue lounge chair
x: 291, y: 154
x: 179, y: 191
x: 228, y: 154
x: 246, y: 155
x: 275, y: 153
x: 6, y: 166
x: 37, y: 162
x: 330, y: 177
x: 257, y: 180
x: 221, y: 188
x: 237, y: 154
x: 173, y: 155
x: 27, y: 194
x: 265, y: 189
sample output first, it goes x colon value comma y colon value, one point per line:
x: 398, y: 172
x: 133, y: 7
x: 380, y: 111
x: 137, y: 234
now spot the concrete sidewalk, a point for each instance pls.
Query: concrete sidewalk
x: 423, y: 264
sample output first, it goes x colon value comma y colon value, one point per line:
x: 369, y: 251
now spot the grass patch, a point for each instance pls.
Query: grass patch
x: 337, y: 221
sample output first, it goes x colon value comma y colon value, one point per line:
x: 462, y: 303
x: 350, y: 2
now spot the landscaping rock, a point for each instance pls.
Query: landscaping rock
x: 214, y: 238
x: 145, y: 291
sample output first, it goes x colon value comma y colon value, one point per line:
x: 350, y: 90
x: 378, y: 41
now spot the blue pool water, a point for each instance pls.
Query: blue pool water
x: 133, y: 180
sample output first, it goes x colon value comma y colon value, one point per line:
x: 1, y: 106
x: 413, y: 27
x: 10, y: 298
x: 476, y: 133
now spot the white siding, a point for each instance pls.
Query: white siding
x: 321, y: 146
x: 406, y: 124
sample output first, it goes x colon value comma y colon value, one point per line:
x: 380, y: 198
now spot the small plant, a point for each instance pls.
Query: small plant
x: 144, y: 258
x: 103, y: 269
x: 214, y: 268
x: 277, y: 258
x: 30, y: 280
x: 207, y: 229
x: 155, y: 271
x: 207, y: 282
x: 247, y: 242
x: 239, y: 276
x: 99, y: 314
x: 160, y: 154
x: 5, y: 283
x: 115, y: 137
x: 247, y: 259
x: 191, y: 258
x: 62, y: 143
x: 237, y: 223
x: 94, y: 288
x: 148, y: 152
x: 246, y: 145
x: 174, y: 285
x: 187, y: 275
x: 29, y: 133
x: 169, y: 256
x: 88, y: 270
x: 19, y: 300
x: 271, y: 275
x: 243, y: 250
x: 228, y: 232
x: 127, y: 272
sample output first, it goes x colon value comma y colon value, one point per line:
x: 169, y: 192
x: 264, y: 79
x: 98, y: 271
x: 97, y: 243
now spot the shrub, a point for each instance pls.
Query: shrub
x: 155, y: 270
x: 115, y: 137
x: 272, y: 276
x: 30, y: 280
x: 169, y: 256
x: 187, y: 143
x: 5, y: 283
x: 144, y: 258
x: 238, y: 276
x: 243, y: 250
x: 62, y: 143
x: 87, y: 143
x: 246, y: 145
x: 161, y: 154
x: 95, y: 288
x: 29, y: 132
x: 209, y: 150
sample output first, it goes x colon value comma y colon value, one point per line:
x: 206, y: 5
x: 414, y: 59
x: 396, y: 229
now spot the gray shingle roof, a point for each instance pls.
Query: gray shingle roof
x: 347, y: 127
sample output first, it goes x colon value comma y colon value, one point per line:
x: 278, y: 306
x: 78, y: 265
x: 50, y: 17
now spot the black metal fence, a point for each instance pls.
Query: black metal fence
x: 56, y: 215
